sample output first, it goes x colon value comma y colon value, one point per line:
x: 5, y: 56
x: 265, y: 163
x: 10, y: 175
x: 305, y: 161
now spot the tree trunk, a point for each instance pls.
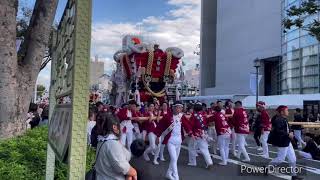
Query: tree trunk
x: 18, y: 77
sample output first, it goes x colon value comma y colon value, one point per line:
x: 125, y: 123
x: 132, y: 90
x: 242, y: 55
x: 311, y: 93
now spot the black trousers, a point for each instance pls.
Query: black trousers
x: 257, y: 134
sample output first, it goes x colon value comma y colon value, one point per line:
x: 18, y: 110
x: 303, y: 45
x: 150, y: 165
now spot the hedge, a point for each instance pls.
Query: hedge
x: 24, y: 157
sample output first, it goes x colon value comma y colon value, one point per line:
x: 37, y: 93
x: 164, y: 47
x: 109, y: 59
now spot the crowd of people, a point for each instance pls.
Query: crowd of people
x: 38, y: 114
x: 161, y: 126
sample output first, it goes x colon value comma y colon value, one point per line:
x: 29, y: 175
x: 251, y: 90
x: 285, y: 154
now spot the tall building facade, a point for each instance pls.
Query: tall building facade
x: 233, y: 34
x: 299, y: 68
x: 96, y: 71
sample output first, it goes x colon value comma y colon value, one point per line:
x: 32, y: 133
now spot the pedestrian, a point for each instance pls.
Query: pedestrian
x: 45, y: 115
x: 241, y: 127
x: 199, y: 125
x: 99, y: 106
x: 256, y: 126
x: 91, y: 123
x: 280, y: 136
x: 297, y: 129
x: 33, y: 118
x: 251, y: 119
x: 113, y: 158
x: 223, y: 132
x: 171, y: 132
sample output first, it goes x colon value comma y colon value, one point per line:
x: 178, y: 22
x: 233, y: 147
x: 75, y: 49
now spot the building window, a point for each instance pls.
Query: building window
x: 310, y: 81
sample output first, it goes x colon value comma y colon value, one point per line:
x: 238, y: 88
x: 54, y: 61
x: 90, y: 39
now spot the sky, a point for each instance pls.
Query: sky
x: 171, y: 23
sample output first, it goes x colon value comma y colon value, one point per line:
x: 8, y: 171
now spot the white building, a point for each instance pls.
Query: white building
x: 192, y: 77
x: 105, y: 83
x: 96, y: 71
x: 234, y: 33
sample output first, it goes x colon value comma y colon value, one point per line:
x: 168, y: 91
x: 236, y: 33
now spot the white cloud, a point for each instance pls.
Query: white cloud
x: 179, y: 27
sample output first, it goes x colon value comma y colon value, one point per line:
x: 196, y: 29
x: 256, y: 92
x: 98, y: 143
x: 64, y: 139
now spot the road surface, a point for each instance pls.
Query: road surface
x: 311, y: 168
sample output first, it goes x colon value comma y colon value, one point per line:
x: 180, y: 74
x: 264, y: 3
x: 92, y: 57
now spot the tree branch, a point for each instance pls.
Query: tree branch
x: 36, y: 39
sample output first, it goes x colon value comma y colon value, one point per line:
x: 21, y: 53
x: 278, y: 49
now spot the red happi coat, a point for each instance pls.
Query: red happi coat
x: 265, y: 120
x: 166, y: 121
x: 150, y: 126
x: 195, y: 125
x: 230, y: 111
x: 240, y: 121
x: 221, y: 124
x: 122, y: 114
x: 137, y: 114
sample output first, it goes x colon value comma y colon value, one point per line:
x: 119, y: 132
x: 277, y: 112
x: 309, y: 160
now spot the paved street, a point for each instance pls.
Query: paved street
x: 230, y: 171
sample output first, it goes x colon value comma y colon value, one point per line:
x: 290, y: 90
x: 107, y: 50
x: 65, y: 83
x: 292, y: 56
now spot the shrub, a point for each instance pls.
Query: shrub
x: 24, y: 157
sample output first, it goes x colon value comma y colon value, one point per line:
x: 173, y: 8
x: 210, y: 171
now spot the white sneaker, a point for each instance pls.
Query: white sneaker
x: 222, y: 163
x: 169, y: 176
x: 146, y: 157
x: 234, y: 154
x: 155, y: 162
x: 238, y: 156
x: 162, y: 159
x: 192, y: 164
x: 260, y: 149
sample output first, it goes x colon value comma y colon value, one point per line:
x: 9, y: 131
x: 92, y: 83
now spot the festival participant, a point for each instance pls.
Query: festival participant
x: 136, y: 117
x: 171, y: 131
x: 143, y: 125
x: 223, y: 131
x: 265, y: 127
x: 241, y: 127
x: 199, y: 125
x: 281, y: 138
x: 229, y: 114
x: 219, y: 103
x: 125, y: 116
x: 151, y: 126
x: 211, y: 129
x: 204, y: 108
x: 191, y: 141
x: 211, y: 109
x: 160, y: 148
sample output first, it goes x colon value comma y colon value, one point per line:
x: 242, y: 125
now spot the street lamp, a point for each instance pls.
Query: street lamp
x: 257, y: 65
